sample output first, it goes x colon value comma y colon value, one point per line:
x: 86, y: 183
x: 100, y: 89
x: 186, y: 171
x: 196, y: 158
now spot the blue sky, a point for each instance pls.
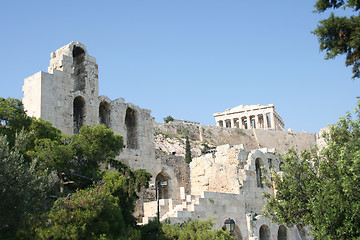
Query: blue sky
x: 188, y: 59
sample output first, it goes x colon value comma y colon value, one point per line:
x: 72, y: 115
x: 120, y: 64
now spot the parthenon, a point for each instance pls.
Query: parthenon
x: 250, y: 116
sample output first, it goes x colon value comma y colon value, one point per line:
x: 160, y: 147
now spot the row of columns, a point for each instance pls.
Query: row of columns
x: 240, y: 122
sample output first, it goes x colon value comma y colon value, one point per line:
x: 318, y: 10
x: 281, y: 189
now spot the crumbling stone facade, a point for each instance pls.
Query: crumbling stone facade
x: 228, y: 183
x: 248, y: 117
x: 224, y: 182
x: 68, y: 96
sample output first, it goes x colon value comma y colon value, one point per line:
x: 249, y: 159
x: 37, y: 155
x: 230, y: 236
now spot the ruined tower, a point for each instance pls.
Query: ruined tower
x: 68, y: 96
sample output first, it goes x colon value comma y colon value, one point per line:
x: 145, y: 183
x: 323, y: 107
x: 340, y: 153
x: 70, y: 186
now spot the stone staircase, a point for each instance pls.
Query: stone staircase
x: 191, y: 207
x: 168, y: 210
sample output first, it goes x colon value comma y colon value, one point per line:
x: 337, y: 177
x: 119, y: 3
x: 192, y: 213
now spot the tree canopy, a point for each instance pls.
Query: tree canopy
x: 22, y: 191
x: 54, y: 186
x: 340, y: 35
x: 322, y: 189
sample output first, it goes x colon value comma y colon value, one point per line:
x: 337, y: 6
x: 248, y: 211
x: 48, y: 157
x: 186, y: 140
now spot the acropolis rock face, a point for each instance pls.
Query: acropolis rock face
x: 224, y: 178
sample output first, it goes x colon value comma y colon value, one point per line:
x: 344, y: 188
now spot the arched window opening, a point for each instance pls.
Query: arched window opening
x: 282, y: 233
x: 78, y: 113
x: 131, y: 128
x: 79, y: 68
x: 264, y: 232
x: 104, y: 113
x: 162, y: 181
x: 259, y: 177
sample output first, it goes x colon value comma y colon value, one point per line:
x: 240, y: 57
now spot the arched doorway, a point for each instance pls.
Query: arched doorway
x: 78, y: 113
x: 79, y: 68
x: 282, y: 233
x: 162, y: 180
x: 104, y: 113
x: 131, y: 128
x: 259, y: 177
x: 264, y: 232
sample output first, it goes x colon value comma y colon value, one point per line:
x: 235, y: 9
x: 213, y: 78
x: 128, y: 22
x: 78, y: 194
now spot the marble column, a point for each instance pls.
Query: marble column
x: 272, y: 119
x: 248, y: 122
x: 265, y: 121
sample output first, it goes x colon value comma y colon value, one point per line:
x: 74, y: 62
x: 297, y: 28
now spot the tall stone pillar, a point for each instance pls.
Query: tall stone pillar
x: 265, y: 121
x: 248, y: 122
x: 257, y: 124
x: 272, y: 119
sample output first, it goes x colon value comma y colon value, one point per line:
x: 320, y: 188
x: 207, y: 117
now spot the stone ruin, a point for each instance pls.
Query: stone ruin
x: 250, y: 117
x: 222, y: 183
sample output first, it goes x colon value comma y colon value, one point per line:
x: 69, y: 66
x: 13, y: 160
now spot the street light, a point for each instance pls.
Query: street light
x: 230, y: 225
x: 157, y: 196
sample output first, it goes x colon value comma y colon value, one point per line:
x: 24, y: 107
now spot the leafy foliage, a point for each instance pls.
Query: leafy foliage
x: 168, y: 119
x: 322, y: 189
x: 195, y: 229
x: 13, y: 118
x: 22, y: 191
x: 340, y: 35
x: 76, y: 159
x: 93, y: 213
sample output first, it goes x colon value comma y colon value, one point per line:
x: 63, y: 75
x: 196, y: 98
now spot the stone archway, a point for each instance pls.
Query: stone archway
x: 282, y: 233
x: 79, y: 68
x: 164, y: 182
x: 131, y: 128
x: 78, y: 113
x: 264, y: 232
x: 104, y: 113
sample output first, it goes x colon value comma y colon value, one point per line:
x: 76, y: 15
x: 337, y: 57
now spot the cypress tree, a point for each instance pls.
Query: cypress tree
x: 187, y: 151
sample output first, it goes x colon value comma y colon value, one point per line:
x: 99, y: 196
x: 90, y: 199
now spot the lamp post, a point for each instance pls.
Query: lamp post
x: 230, y: 225
x: 157, y: 195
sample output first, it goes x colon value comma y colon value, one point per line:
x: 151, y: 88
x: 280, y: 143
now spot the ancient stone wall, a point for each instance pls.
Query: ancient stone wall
x: 68, y: 96
x: 250, y: 138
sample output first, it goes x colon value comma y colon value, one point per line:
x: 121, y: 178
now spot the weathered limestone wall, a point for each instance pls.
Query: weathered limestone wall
x: 217, y: 172
x: 250, y: 138
x: 233, y: 169
x: 68, y: 96
x: 225, y: 184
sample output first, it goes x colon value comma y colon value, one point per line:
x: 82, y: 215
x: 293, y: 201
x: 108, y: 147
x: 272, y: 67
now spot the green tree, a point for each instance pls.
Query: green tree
x: 322, y: 189
x: 194, y: 229
x: 188, y: 158
x: 22, y: 191
x: 340, y: 35
x: 102, y: 211
x: 13, y: 118
x: 168, y: 119
x: 76, y: 159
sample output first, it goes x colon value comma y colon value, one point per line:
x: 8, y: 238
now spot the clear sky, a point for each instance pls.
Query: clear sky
x: 187, y: 58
